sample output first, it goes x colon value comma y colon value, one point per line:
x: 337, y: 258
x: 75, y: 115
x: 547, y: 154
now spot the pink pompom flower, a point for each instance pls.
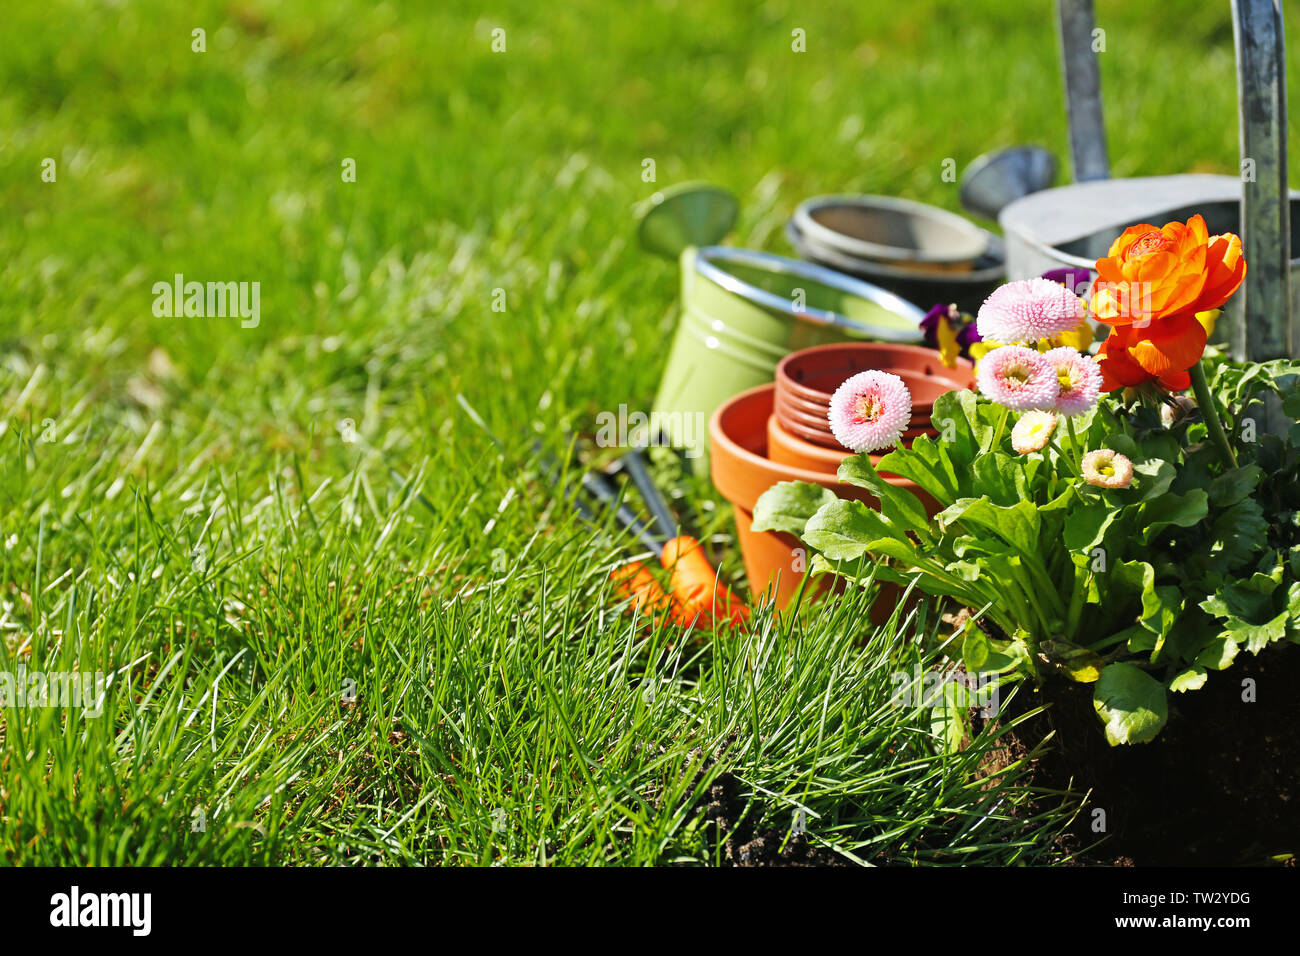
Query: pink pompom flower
x: 870, y: 410
x: 1019, y: 378
x: 1107, y: 469
x: 1033, y: 431
x: 1079, y: 376
x: 1029, y: 310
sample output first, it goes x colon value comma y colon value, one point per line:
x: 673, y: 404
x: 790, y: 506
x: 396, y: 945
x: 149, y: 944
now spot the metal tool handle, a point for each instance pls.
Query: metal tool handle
x: 635, y: 463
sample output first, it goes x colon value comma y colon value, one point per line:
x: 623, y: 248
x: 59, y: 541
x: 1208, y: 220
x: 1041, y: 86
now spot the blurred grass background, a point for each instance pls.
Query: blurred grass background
x: 476, y: 170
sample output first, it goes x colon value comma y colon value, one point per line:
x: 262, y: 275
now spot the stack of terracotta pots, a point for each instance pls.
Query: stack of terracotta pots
x: 780, y: 432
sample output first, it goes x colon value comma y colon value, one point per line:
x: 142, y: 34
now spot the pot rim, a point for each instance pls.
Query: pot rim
x: 723, y: 446
x: 792, y: 392
x: 993, y: 270
x: 768, y: 262
x: 965, y: 367
x: 828, y: 454
x: 723, y: 443
x: 976, y: 239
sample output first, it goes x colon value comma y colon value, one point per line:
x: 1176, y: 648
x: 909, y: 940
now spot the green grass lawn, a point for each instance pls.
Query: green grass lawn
x: 401, y: 649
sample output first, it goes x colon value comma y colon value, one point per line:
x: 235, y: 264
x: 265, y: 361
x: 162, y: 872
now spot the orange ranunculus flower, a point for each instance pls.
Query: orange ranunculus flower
x: 1129, y: 357
x: 1169, y: 345
x: 1226, y: 270
x: 1154, y: 273
x: 1149, y: 290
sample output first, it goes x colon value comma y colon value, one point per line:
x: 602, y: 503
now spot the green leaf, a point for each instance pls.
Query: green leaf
x: 975, y: 649
x: 1258, y: 636
x: 972, y: 422
x: 998, y: 477
x: 1126, y: 583
x: 1152, y: 478
x: 1017, y: 525
x: 948, y: 719
x: 1191, y: 679
x: 1249, y: 611
x: 1077, y: 663
x: 788, y: 505
x: 1235, y: 485
x: 1138, y: 639
x: 924, y: 464
x: 844, y: 530
x: 1293, y: 612
x: 897, y: 504
x: 1007, y: 656
x: 1171, y: 509
x: 1085, y: 527
x: 1131, y: 703
x: 1239, y: 534
x: 1291, y: 402
x: 1218, y: 654
x: 1161, y: 608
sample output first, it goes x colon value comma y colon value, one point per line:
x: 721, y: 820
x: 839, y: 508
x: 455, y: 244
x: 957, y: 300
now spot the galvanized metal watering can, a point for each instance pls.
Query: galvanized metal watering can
x: 1074, y: 225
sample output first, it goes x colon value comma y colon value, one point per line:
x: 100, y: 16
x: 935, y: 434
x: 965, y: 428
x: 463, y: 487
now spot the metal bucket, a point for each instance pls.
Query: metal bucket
x: 895, y: 232
x: 1075, y: 225
x: 743, y: 311
x: 967, y: 290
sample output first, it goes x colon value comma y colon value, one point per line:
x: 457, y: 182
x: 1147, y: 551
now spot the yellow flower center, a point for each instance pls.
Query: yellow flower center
x: 1019, y: 373
x: 870, y: 408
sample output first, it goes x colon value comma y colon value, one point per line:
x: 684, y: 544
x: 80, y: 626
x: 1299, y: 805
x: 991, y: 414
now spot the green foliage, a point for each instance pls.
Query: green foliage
x: 1131, y: 703
x: 1141, y: 589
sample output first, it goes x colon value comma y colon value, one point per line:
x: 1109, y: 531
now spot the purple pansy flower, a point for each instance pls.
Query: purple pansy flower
x: 1076, y: 280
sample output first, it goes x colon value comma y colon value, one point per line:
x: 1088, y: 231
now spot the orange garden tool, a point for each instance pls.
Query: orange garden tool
x: 695, y: 596
x: 698, y: 596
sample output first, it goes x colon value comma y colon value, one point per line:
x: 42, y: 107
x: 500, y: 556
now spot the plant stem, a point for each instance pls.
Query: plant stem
x: 1213, y: 424
x: 1002, y: 424
x: 1065, y: 449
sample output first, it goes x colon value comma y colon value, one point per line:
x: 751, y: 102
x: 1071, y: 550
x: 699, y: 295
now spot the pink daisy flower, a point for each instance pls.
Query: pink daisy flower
x: 1029, y: 310
x: 870, y: 410
x: 1080, y: 378
x: 1033, y: 431
x: 1018, y: 377
x: 1107, y: 469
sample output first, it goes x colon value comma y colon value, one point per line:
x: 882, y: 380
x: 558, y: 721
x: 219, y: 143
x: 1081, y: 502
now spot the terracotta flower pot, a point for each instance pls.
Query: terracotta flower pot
x: 790, y: 407
x: 815, y: 430
x: 742, y: 470
x: 806, y: 380
x: 788, y: 448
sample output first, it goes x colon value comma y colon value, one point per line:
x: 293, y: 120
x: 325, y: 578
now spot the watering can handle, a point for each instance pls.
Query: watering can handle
x: 1088, y: 153
x: 1267, y: 332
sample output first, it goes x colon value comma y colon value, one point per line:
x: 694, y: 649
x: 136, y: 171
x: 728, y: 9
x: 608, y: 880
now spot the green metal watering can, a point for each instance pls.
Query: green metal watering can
x: 742, y: 311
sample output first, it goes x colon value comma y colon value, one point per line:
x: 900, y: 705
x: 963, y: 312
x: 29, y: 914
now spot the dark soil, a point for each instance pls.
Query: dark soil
x: 1220, y: 786
x: 744, y: 846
